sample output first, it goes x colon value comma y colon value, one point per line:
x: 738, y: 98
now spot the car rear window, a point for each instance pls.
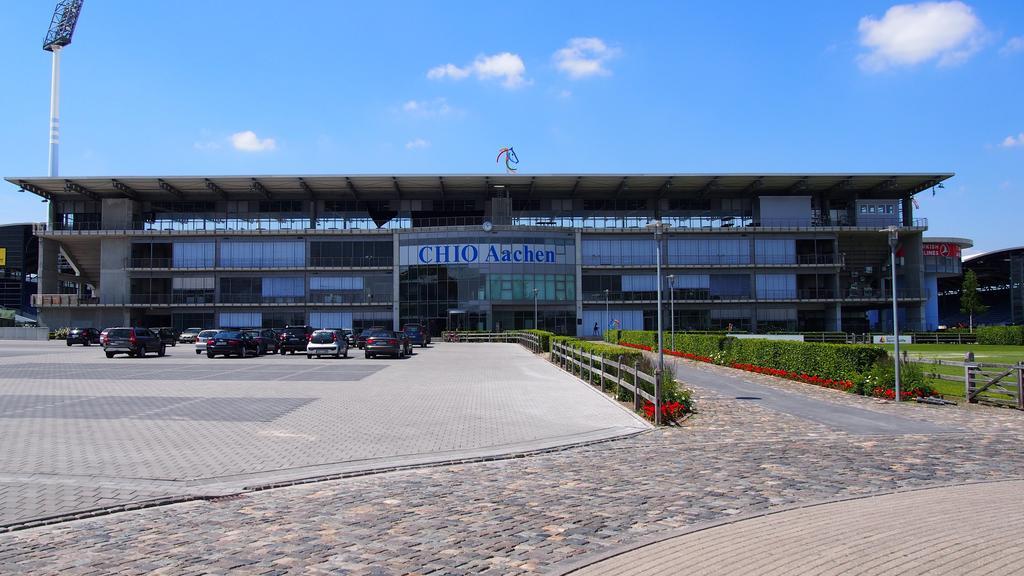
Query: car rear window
x: 323, y: 337
x: 295, y: 331
x: 381, y: 334
x: 208, y: 333
x: 229, y: 335
x: 120, y: 333
x: 411, y: 328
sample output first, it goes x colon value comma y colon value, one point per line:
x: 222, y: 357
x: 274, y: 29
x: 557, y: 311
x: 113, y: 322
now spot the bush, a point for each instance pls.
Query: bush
x: 836, y: 361
x: 543, y: 336
x: 880, y: 381
x: 831, y: 365
x: 670, y: 390
x: 1001, y: 335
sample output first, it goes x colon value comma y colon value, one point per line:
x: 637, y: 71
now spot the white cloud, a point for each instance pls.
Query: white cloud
x: 506, y: 65
x: 910, y: 34
x: 565, y: 94
x: 435, y: 107
x: 1011, y: 141
x: 417, y: 144
x: 584, y: 57
x: 449, y: 70
x: 1012, y: 46
x: 247, y: 141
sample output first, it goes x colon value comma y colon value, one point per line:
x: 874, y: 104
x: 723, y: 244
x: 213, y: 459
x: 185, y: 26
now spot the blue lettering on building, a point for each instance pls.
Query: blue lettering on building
x: 470, y: 254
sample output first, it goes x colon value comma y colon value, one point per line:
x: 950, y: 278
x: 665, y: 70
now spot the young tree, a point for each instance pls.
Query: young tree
x: 970, y: 302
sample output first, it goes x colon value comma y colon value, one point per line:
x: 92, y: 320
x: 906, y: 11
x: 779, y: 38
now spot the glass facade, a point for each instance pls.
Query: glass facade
x: 489, y: 281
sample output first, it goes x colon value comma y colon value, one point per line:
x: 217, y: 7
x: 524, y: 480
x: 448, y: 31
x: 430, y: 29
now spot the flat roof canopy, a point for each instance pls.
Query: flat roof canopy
x: 464, y: 186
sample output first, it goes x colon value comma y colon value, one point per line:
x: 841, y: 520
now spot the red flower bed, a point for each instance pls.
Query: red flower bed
x: 890, y: 393
x: 675, y: 353
x: 844, y: 385
x: 637, y: 346
x: 669, y: 410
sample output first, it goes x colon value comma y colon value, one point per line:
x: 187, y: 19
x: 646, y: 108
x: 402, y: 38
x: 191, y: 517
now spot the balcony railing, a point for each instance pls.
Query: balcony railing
x: 703, y: 295
x: 698, y: 260
x: 207, y: 299
x: 234, y: 222
x: 315, y: 262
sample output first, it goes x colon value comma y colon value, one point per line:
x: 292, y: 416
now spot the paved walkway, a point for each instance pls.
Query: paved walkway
x: 972, y: 529
x: 82, y: 432
x: 546, y: 513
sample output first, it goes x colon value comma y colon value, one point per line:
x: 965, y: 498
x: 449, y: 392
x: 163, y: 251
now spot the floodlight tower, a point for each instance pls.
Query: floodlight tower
x: 62, y: 27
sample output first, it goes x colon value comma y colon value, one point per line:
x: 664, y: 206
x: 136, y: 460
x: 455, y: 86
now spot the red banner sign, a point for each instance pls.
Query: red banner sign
x: 945, y: 249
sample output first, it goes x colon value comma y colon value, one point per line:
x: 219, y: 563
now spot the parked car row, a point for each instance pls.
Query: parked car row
x: 374, y: 341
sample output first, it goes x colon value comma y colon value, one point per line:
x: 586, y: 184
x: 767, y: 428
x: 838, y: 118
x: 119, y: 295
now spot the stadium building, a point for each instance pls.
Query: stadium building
x: 771, y: 252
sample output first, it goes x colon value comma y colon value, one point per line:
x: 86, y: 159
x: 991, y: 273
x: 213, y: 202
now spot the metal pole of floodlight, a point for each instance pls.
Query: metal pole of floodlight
x: 62, y: 28
x: 672, y: 310
x: 536, y: 292
x: 893, y: 233
x: 659, y: 228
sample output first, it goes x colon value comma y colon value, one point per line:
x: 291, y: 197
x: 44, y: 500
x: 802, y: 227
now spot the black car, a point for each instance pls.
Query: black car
x: 294, y: 338
x: 385, y: 342
x: 350, y: 337
x: 418, y: 334
x: 232, y: 343
x: 132, y: 341
x: 167, y: 335
x: 86, y: 336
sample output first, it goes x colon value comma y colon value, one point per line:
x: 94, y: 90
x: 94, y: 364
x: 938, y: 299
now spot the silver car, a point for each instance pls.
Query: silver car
x: 327, y: 343
x: 189, y: 335
x: 202, y: 338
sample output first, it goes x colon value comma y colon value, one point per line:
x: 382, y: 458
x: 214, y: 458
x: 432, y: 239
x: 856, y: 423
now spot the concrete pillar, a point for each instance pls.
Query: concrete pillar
x: 118, y: 213
x: 908, y: 211
x: 114, y: 285
x: 47, y: 269
x: 395, y: 277
x: 578, y: 240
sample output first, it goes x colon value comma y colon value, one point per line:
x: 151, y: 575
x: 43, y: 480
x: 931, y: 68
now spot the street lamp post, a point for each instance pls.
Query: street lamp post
x: 893, y: 232
x: 672, y: 310
x: 535, y: 293
x: 659, y: 228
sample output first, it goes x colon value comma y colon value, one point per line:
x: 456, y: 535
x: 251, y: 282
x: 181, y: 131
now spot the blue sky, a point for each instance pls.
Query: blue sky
x: 260, y: 87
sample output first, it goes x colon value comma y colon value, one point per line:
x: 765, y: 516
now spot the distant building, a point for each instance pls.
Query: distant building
x: 1000, y: 284
x: 771, y: 252
x: 19, y: 263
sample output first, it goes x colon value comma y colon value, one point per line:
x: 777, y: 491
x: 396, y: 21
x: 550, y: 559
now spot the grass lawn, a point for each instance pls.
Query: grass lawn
x: 982, y: 353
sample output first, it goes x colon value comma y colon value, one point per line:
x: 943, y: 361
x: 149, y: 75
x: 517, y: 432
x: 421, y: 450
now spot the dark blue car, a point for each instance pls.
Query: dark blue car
x: 418, y: 334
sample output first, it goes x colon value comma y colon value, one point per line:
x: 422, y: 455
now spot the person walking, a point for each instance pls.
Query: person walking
x: 597, y: 329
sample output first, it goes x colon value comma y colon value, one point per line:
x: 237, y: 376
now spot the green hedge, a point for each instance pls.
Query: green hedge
x: 670, y: 390
x: 837, y: 361
x: 1002, y: 335
x: 543, y: 336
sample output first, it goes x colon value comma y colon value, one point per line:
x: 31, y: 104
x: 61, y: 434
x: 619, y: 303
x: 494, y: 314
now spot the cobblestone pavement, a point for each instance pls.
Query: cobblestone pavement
x: 545, y: 513
x: 82, y: 432
x: 921, y: 532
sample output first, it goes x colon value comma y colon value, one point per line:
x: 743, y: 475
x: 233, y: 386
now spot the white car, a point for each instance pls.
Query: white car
x: 202, y: 338
x: 327, y: 343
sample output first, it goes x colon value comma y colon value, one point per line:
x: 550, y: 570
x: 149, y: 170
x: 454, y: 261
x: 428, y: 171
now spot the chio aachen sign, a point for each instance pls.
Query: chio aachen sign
x: 479, y: 254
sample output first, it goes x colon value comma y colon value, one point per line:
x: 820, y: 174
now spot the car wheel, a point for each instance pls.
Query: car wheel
x: 210, y: 355
x: 173, y: 344
x: 110, y: 354
x: 309, y: 356
x: 69, y: 343
x: 368, y: 355
x: 162, y: 351
x: 198, y: 352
